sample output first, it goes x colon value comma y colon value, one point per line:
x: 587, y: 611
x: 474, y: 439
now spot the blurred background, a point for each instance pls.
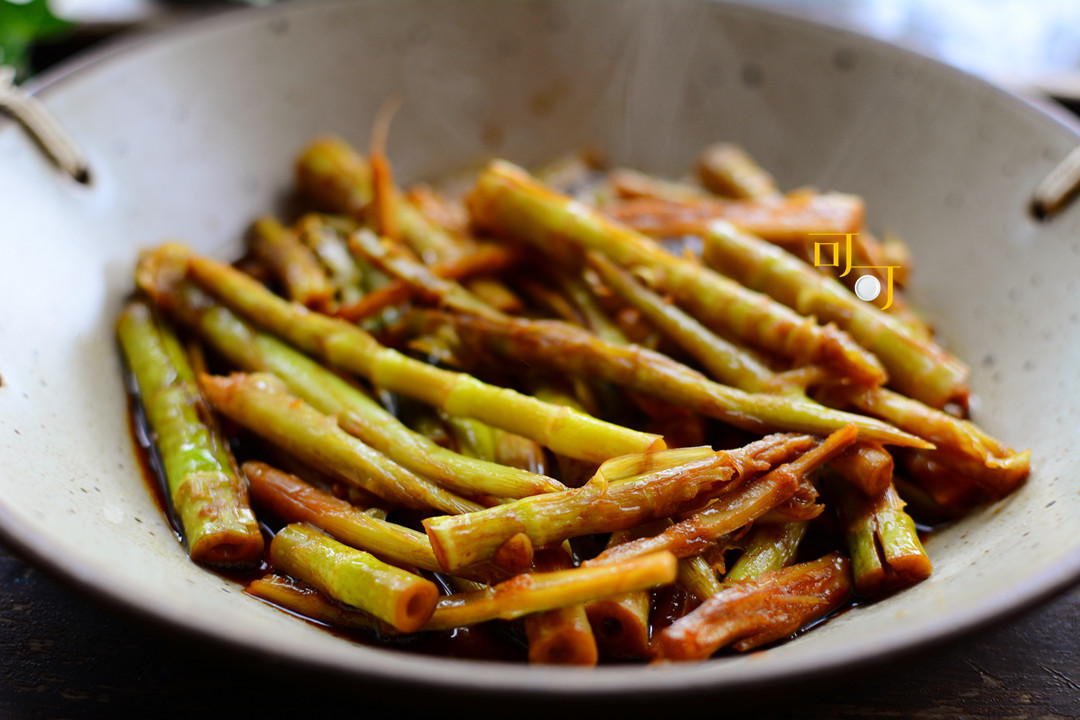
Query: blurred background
x: 1030, y: 47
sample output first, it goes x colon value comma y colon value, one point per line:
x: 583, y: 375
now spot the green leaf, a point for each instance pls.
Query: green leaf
x: 21, y: 25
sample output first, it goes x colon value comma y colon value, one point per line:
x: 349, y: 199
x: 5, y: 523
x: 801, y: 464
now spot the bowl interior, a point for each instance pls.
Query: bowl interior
x: 191, y: 135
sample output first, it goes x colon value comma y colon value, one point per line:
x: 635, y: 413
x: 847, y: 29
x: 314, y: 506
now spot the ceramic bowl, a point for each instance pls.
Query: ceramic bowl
x: 191, y: 134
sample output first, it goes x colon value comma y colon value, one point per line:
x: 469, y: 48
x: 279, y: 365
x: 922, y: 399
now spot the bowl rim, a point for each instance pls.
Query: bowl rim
x: 455, y: 676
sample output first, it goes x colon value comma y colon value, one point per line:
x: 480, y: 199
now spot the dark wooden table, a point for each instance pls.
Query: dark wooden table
x: 62, y: 656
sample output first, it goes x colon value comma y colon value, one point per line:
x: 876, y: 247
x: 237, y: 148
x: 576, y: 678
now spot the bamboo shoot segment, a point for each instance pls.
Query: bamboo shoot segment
x: 291, y: 499
x: 358, y: 414
x: 727, y: 169
x: 565, y: 348
x: 882, y: 540
x: 959, y: 444
x: 792, y: 221
x: 297, y: 269
x: 755, y: 612
x: 598, y: 506
x: 348, y: 348
x: 505, y: 200
x: 770, y: 547
x: 917, y: 367
x: 560, y: 636
x: 734, y: 509
x: 621, y: 623
x: 867, y: 466
x: 353, y: 577
x: 209, y: 497
x: 263, y: 404
x: 536, y: 592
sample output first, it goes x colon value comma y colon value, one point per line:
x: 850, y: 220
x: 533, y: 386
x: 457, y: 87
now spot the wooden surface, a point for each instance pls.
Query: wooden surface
x: 62, y: 656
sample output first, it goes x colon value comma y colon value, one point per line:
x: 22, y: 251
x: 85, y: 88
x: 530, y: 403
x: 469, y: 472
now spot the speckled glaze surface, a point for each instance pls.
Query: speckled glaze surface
x: 192, y: 134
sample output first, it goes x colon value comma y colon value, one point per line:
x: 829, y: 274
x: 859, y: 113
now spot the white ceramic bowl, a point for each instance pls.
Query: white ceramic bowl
x: 193, y: 133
